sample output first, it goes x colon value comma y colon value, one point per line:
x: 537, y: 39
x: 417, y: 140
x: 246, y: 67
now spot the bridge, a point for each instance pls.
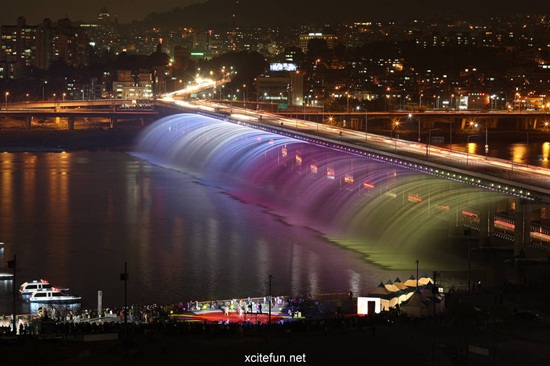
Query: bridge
x: 426, y: 119
x: 525, y: 186
x: 112, y: 109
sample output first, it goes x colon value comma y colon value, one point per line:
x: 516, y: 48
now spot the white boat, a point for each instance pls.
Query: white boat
x: 53, y: 296
x: 5, y: 276
x: 29, y: 287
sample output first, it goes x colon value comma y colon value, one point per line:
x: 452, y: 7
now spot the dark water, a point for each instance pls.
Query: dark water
x: 536, y: 153
x: 76, y: 218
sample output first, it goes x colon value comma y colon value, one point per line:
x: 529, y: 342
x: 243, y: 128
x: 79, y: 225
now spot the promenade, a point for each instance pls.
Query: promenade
x: 477, y: 329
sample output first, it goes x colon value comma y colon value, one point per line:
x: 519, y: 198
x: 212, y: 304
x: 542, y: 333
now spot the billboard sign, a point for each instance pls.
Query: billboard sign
x: 282, y: 66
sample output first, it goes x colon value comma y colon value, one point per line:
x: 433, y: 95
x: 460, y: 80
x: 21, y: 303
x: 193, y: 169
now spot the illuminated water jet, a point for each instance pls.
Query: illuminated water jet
x: 391, y: 215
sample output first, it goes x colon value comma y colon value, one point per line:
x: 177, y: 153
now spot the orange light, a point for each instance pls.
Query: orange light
x: 414, y: 198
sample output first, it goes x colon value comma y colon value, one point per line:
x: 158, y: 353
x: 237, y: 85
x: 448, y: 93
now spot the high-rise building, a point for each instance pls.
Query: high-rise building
x: 17, y: 47
x: 44, y: 44
x: 70, y: 44
x: 25, y: 46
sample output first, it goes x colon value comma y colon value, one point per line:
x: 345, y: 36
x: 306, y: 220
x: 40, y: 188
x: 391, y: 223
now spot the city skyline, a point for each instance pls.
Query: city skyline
x: 127, y: 11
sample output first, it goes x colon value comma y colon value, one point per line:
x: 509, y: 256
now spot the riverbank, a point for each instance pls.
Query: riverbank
x: 51, y: 136
x: 477, y: 328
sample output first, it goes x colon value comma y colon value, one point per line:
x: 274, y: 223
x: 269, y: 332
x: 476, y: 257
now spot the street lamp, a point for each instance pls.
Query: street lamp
x: 486, y: 139
x: 396, y: 134
x: 411, y: 118
x: 451, y: 135
x: 486, y: 142
x: 7, y: 94
x: 269, y: 316
x: 124, y: 277
x: 366, y: 122
x: 43, y: 85
x: 397, y: 128
x: 429, y: 140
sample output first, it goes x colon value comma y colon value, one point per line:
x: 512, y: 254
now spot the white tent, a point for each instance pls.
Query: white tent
x: 397, y: 292
x: 424, y: 280
x: 400, y: 285
x: 417, y: 306
x: 391, y: 287
x: 411, y: 282
x: 408, y: 291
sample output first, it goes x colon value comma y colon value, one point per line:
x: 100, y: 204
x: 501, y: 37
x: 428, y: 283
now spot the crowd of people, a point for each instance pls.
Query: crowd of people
x: 159, y: 319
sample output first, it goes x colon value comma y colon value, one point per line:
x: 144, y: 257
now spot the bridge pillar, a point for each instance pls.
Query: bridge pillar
x: 486, y: 224
x: 522, y: 221
x: 28, y: 122
x: 113, y: 122
x: 70, y: 123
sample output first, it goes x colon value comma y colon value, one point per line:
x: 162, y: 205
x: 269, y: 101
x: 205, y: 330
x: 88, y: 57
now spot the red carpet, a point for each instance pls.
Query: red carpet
x: 233, y: 317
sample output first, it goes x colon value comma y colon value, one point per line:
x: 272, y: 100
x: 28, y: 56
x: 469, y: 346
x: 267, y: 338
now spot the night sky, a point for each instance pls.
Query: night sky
x: 128, y: 10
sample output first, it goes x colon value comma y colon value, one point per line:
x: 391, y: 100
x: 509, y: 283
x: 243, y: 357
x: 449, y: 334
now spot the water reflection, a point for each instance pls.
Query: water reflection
x: 545, y: 154
x: 519, y: 153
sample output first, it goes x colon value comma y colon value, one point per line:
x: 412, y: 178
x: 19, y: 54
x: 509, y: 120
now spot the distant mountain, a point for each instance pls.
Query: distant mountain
x: 310, y: 12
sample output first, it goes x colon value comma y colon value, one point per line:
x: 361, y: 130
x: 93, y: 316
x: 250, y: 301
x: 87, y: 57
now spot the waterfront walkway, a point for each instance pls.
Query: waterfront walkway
x: 477, y: 329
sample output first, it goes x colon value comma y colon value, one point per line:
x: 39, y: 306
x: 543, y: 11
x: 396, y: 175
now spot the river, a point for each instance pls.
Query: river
x: 76, y: 218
